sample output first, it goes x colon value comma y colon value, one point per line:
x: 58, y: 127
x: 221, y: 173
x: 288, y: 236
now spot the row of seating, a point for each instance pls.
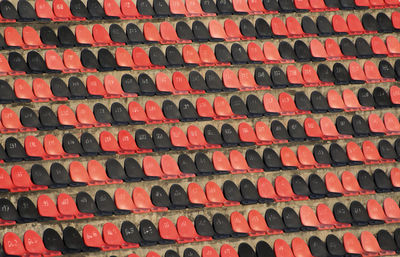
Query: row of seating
x: 143, y: 9
x: 102, y: 204
x: 98, y: 35
x: 383, y: 243
x: 186, y: 231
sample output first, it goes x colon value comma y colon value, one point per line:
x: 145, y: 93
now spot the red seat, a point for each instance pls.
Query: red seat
x: 239, y: 163
x: 355, y: 26
x: 97, y: 173
x: 230, y: 79
x: 22, y: 180
x: 289, y: 158
x: 194, y: 9
x: 271, y: 105
x: 339, y: 24
x: 329, y: 130
x: 355, y: 154
x: 207, y: 56
x: 284, y: 190
x: 333, y: 50
x: 257, y: 7
x: 391, y: 123
x: 377, y: 4
x: 113, y: 238
x: 318, y: 6
x: 350, y: 101
x: 215, y: 195
x: 177, y: 7
x: 221, y: 162
x: 13, y: 38
x: 62, y: 12
x: 350, y: 184
x: 85, y: 116
x: 379, y: 47
x: 79, y: 174
x: 272, y: 55
x: 239, y: 225
x: 164, y: 83
x: 181, y: 84
x: 312, y: 128
x: 141, y: 60
x: 92, y: 238
x: 142, y: 201
x: 223, y: 110
x: 371, y: 154
x: 302, y: 5
x: 47, y: 208
x: 197, y: 196
x: 5, y: 182
x: 306, y: 158
x: 43, y: 10
x: 11, y: 122
x: 228, y: 251
x: 73, y: 63
x: 217, y: 31
x: 34, y: 245
x: 371, y: 246
x: 246, y: 133
x: 396, y: 20
x: 258, y: 224
x: 278, y: 27
x: 282, y: 249
x: 335, y: 100
x: 55, y: 63
x: 294, y: 76
x: 394, y: 93
x: 311, y: 78
x: 178, y: 138
x: 288, y: 105
x: 300, y: 248
x: 362, y: 4
x: 124, y: 59
x: 68, y: 210
x: 167, y: 230
x: 208, y: 251
x: 240, y: 6
x: 352, y: 245
x: 232, y: 30
x: 190, y: 55
x: 151, y: 33
x: 376, y: 125
x: 101, y: 36
x: 54, y: 149
x: 67, y: 118
x: 247, y: 81
x: 333, y: 184
x: 294, y: 28
x: 204, y: 108
x: 391, y: 208
x: 196, y: 139
x: 5, y: 68
x: 168, y: 34
x: 12, y: 245
x: 264, y: 134
x: 327, y: 219
x: 43, y: 92
x: 309, y: 219
x: 393, y: 46
x: 255, y: 53
x: 376, y: 212
x: 137, y: 113
x: 267, y: 191
x: 171, y: 169
x: 356, y: 73
x: 83, y: 35
x: 395, y: 177
x: 123, y: 200
x: 112, y: 9
x: 151, y: 167
x: 318, y: 50
x: 32, y: 39
x: 154, y: 113
x: 34, y: 148
x: 129, y: 10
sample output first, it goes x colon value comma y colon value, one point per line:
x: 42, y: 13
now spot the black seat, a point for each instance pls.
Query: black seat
x: 386, y: 150
x: 27, y: 210
x: 145, y: 8
x: 263, y: 29
x: 386, y: 241
x: 73, y: 240
x: 360, y: 126
x: 384, y: 23
x: 382, y: 181
x: 134, y: 171
x: 317, y: 187
x: 324, y: 26
x: 278, y: 77
x: 238, y: 106
x: 348, y: 48
x: 254, y: 160
x: 222, y: 227
x: 77, y: 89
x: 8, y: 10
x: 319, y: 102
x: 59, y: 88
x: 186, y: 164
x: 106, y: 60
x: 188, y: 111
x: 102, y: 114
x: 386, y: 69
x: 296, y: 130
x: 170, y: 110
x: 342, y: 213
x: 159, y: 197
x: 78, y: 9
x: 338, y: 155
x: 8, y: 211
x: 286, y: 51
x: 190, y: 252
x: 302, y: 51
x: 302, y: 101
x: 279, y: 131
x: 230, y: 136
x: 26, y: 11
x: 344, y: 126
x: 130, y: 233
x: 264, y: 249
x: 171, y: 253
x: 179, y: 198
x: 14, y: 150
x: 161, y: 8
x: 369, y: 23
x: 115, y: 170
x: 239, y: 54
x: 59, y: 175
x: 53, y: 241
x: 249, y: 192
x: 365, y: 180
x: 106, y: 205
x: 6, y: 93
x: 381, y: 98
x: 117, y: 34
x: 291, y: 220
x: 254, y: 106
x: 174, y: 57
x: 274, y: 220
x: 271, y: 5
x: 225, y: 7
x: 143, y: 139
x: 86, y: 204
x: 212, y: 135
x: 89, y: 60
x: 203, y: 226
x: 29, y: 118
x: 271, y: 160
x: 359, y: 214
x: 157, y: 57
x: 364, y: 50
x: 247, y: 28
x: 66, y: 37
x: 204, y: 165
x: 197, y: 81
x: 129, y: 84
x: 146, y: 85
x: 17, y: 62
x: 262, y: 77
x: 48, y: 36
x: 40, y: 176
x: 366, y: 99
x: 286, y: 6
x: 299, y: 186
x: 309, y: 26
x: 223, y: 54
x: 134, y: 34
x: 231, y: 191
x: 213, y: 82
x: 120, y: 115
x: 342, y: 76
x: 200, y: 32
x: 245, y: 250
x: 184, y: 31
x: 317, y: 247
x: 321, y: 155
x: 209, y: 6
x: 95, y: 10
x: 347, y: 4
x: 325, y: 74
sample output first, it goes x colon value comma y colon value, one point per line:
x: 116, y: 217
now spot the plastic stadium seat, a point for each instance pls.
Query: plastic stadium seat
x: 54, y: 149
x: 281, y: 249
x: 355, y: 26
x: 356, y: 73
x: 62, y: 12
x: 22, y: 181
x: 34, y: 245
x: 284, y: 190
x: 391, y: 123
x: 393, y: 46
x: 168, y: 34
x: 13, y: 245
x: 258, y: 224
x: 141, y: 59
x: 207, y: 56
x: 12, y: 38
x: 112, y: 9
x: 216, y: 31
x: 84, y: 36
x: 142, y: 201
x: 43, y: 10
x: 278, y: 28
x: 214, y: 195
x: 72, y: 62
x: 68, y: 210
x: 327, y: 218
x: 223, y: 110
x: 256, y: 7
x: 47, y: 208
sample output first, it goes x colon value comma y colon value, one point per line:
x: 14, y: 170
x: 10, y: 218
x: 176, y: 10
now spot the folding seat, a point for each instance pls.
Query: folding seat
x: 13, y: 39
x: 62, y: 12
x: 284, y: 190
x: 278, y: 28
x: 311, y: 78
x: 355, y: 26
x: 281, y: 248
x: 352, y: 245
x: 22, y: 91
x: 272, y: 55
x: 300, y: 248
